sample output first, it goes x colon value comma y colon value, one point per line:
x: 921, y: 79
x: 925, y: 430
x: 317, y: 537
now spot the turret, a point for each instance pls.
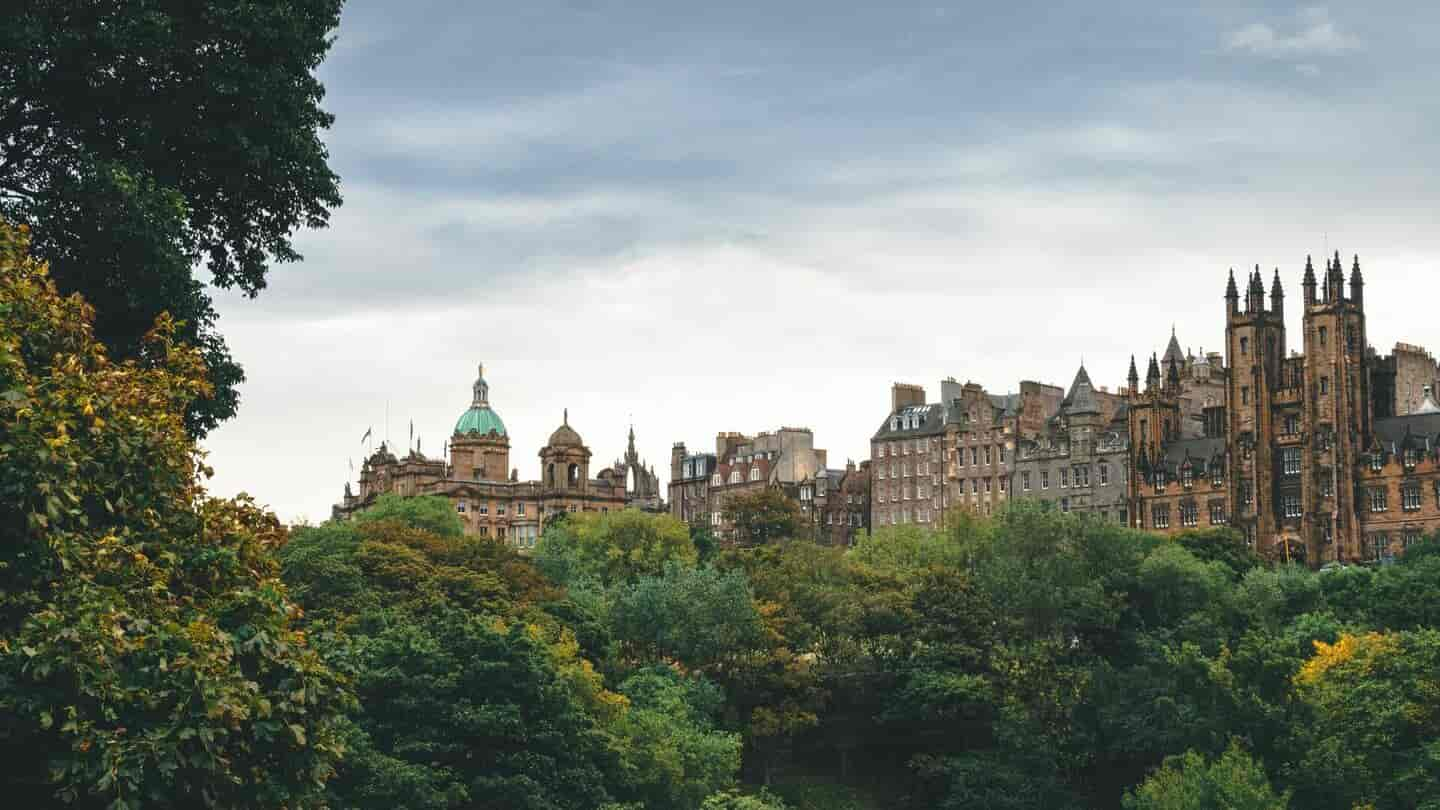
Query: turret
x: 1277, y: 296
x: 1232, y: 302
x: 1152, y: 375
x: 1255, y: 295
x: 1334, y: 280
x: 1309, y: 283
x: 1357, y: 284
x: 1134, y: 377
x: 1172, y: 377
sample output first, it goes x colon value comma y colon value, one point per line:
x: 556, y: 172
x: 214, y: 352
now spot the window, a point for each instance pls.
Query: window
x: 1377, y: 461
x: 520, y: 509
x: 1002, y: 484
x: 1217, y: 513
x: 1247, y: 494
x: 1103, y: 473
x: 1244, y: 346
x: 1189, y: 514
x: 1409, y: 538
x: 734, y: 476
x: 974, y: 486
x: 482, y: 508
x: 1025, y: 481
x: 1159, y: 482
x: 1410, y: 496
x: 1064, y: 477
x: 715, y: 480
x: 987, y: 486
x: 974, y: 456
x: 484, y: 531
x: 1082, y: 475
x: 1244, y: 395
x: 1290, y: 460
x: 1217, y: 474
x: 1324, y: 333
x: 987, y: 455
x: 500, y: 509
x: 1379, y: 546
x: 1064, y: 504
x: 1160, y: 516
x: 1187, y: 476
x: 1410, y: 457
x: 1376, y: 498
x: 894, y: 423
x: 1290, y: 506
x: 1292, y: 424
x: 1044, y: 479
x: 1000, y: 451
x: 755, y: 473
x: 1324, y: 385
x: 460, y: 507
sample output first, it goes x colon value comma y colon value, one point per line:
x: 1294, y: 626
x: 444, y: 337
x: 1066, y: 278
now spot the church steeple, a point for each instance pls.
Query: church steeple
x: 1309, y: 282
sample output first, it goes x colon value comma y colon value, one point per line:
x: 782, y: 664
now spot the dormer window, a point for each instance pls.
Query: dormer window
x: 735, y: 476
x: 894, y: 423
x: 715, y: 480
x: 755, y: 473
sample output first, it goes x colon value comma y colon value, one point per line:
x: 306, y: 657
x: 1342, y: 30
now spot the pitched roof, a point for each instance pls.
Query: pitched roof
x: 1173, y: 352
x: 929, y: 420
x: 1081, y: 398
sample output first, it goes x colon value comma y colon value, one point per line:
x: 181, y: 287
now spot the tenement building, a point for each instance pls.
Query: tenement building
x: 741, y: 464
x: 928, y: 458
x: 1080, y: 461
x: 486, y: 491
x: 837, y: 503
x: 1308, y: 456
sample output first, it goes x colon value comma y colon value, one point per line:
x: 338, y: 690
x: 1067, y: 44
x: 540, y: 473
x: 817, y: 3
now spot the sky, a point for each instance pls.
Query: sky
x: 735, y: 217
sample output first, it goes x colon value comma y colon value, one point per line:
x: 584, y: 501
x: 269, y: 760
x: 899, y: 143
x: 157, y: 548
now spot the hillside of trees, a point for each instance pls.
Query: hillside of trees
x: 163, y: 648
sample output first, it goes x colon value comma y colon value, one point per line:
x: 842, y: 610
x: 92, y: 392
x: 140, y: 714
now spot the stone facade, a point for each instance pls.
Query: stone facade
x: 1080, y: 462
x: 743, y: 464
x: 837, y: 503
x: 486, y: 492
x: 690, y: 484
x: 1399, y: 380
x: 1297, y: 459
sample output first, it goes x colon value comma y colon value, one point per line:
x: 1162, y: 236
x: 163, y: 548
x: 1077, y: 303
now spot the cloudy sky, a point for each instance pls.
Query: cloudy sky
x: 738, y: 216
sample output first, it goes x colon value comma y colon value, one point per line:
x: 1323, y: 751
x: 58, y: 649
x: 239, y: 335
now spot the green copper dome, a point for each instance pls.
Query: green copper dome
x: 480, y: 419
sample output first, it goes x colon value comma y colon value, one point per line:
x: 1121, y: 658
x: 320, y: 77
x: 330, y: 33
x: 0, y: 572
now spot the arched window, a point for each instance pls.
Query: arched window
x: 755, y: 473
x: 572, y: 477
x: 550, y: 475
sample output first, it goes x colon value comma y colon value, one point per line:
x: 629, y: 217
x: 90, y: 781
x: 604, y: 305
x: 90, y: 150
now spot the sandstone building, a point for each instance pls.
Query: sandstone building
x: 837, y: 503
x: 1308, y: 455
x: 1080, y: 460
x: 487, y: 492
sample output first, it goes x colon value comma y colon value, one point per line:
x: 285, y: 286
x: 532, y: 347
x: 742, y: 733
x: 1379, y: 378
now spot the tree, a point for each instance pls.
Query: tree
x: 699, y: 617
x: 149, y: 654
x: 766, y: 516
x: 430, y: 513
x: 673, y: 754
x: 140, y: 138
x: 612, y: 547
x: 1375, y: 732
x: 1189, y: 782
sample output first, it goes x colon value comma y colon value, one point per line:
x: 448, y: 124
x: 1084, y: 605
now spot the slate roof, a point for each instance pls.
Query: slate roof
x: 931, y: 422
x: 1081, y: 398
x: 1419, y: 426
x: 1173, y: 352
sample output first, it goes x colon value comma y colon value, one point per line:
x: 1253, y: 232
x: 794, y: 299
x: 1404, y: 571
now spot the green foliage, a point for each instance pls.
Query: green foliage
x: 736, y: 800
x: 193, y: 137
x: 673, y: 755
x: 1234, y: 781
x: 430, y: 513
x: 612, y: 547
x: 1223, y: 546
x: 696, y: 616
x: 764, y: 516
x: 149, y: 655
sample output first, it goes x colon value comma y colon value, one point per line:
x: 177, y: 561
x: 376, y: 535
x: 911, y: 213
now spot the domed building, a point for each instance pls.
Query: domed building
x: 474, y: 473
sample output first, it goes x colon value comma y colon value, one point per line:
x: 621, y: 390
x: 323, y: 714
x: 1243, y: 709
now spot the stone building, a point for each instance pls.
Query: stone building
x: 928, y: 458
x: 1297, y: 458
x: 641, y: 484
x: 690, y: 484
x: 1080, y: 461
x: 1400, y: 379
x: 741, y: 464
x: 837, y: 503
x: 477, y: 478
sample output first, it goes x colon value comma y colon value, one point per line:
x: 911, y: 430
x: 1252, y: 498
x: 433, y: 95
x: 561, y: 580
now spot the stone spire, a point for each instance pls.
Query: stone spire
x: 1334, y: 280
x: 1277, y: 295
x: 1134, y: 377
x: 1152, y: 375
x: 1309, y: 282
x: 1357, y: 284
x: 1232, y: 295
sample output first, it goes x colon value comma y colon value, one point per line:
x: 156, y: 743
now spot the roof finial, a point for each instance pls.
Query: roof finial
x: 567, y: 416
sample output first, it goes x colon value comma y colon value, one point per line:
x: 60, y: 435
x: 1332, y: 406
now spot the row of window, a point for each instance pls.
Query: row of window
x: 737, y: 477
x: 1079, y: 475
x: 1378, y: 543
x: 483, y: 508
x: 902, y: 469
x: 907, y: 447
x: 1189, y: 515
x: 850, y: 519
x: 1378, y: 498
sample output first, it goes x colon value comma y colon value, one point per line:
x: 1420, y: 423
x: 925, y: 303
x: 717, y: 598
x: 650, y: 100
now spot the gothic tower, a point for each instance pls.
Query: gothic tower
x: 1154, y: 422
x: 1339, y: 408
x: 1255, y: 350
